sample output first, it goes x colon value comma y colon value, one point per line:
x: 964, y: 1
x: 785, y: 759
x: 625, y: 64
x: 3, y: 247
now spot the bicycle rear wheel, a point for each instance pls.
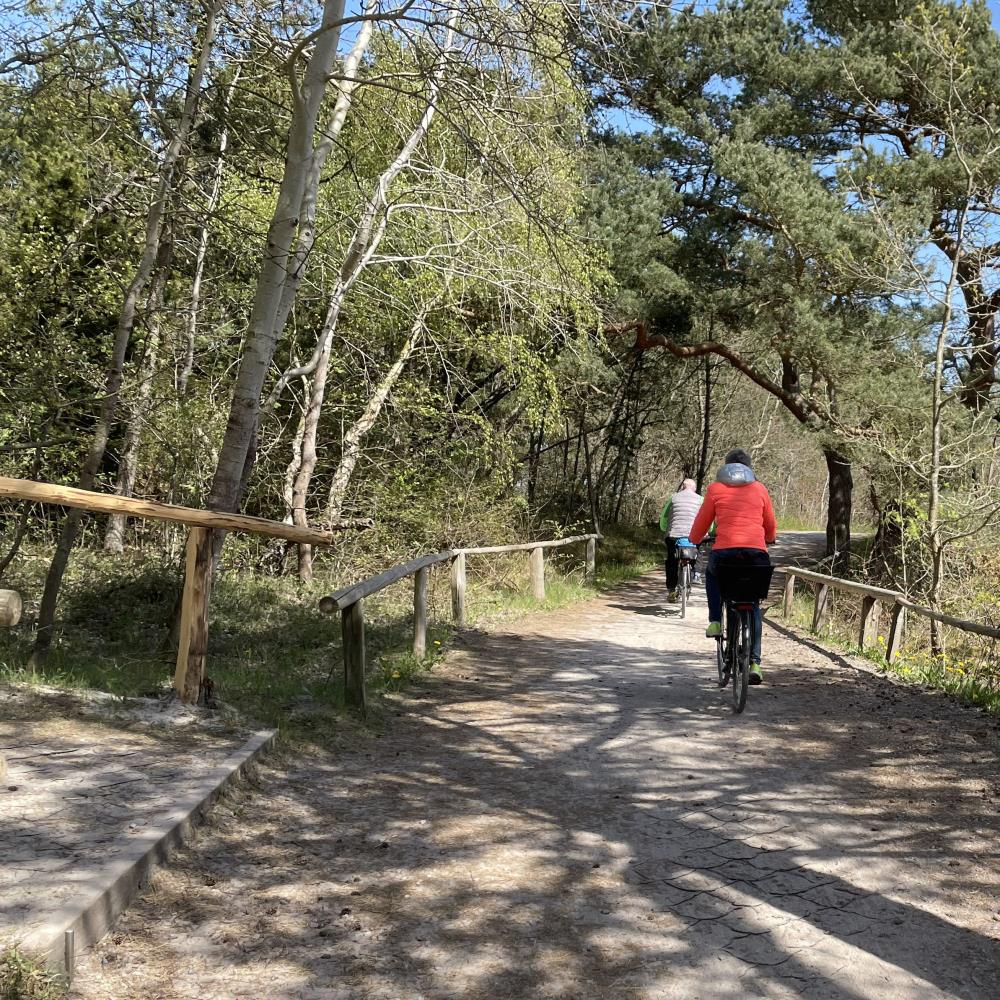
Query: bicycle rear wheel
x: 722, y: 655
x: 741, y: 665
x: 685, y: 588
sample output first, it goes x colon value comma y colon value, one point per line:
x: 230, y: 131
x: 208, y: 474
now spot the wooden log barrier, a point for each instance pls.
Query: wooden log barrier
x: 458, y: 589
x: 868, y: 626
x: 789, y: 595
x: 348, y: 600
x: 10, y: 608
x: 193, y: 642
x: 821, y: 606
x: 104, y: 503
x: 352, y: 631
x: 420, y: 580
x: 537, y: 563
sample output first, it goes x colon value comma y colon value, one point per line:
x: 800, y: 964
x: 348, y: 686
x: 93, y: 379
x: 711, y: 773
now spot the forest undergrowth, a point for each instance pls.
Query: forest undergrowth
x: 273, y: 656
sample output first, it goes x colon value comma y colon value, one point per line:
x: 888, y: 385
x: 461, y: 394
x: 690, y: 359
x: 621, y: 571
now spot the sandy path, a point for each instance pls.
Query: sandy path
x: 568, y: 808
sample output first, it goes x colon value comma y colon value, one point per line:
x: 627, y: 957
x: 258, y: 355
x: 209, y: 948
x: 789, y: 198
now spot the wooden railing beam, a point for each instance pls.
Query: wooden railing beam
x: 104, y: 503
x: 872, y: 598
x: 349, y: 600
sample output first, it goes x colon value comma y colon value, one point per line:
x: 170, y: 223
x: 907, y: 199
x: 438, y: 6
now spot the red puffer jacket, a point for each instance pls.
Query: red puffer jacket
x: 743, y: 516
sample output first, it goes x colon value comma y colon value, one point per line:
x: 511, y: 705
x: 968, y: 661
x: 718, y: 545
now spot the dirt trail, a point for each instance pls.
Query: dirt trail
x: 569, y: 809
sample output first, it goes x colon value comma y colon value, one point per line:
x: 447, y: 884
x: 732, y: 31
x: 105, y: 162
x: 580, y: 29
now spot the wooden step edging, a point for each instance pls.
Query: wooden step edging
x: 81, y: 924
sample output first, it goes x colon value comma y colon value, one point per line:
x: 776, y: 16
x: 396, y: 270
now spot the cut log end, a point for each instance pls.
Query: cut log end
x: 10, y: 608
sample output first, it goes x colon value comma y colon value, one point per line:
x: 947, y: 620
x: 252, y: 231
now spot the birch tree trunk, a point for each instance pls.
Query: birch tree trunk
x: 367, y: 237
x: 351, y: 449
x: 267, y: 319
x: 123, y: 332
x: 191, y: 326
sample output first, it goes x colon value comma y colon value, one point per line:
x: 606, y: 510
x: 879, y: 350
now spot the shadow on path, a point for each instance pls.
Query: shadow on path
x: 574, y: 812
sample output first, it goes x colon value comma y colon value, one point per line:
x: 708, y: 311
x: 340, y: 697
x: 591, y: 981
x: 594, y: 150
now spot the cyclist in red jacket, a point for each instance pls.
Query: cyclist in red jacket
x: 744, y: 521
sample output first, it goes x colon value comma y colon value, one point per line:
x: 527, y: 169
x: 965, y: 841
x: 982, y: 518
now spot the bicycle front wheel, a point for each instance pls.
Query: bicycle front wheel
x: 741, y: 668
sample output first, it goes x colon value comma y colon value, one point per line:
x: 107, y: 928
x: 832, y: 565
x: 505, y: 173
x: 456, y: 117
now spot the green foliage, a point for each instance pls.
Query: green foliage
x: 21, y: 978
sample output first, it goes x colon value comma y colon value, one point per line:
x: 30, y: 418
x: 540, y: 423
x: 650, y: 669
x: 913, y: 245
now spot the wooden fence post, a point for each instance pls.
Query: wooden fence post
x: 193, y: 642
x: 822, y: 596
x: 352, y: 630
x: 896, y: 631
x: 590, y: 573
x: 420, y: 612
x: 789, y: 595
x: 868, y: 628
x: 537, y: 563
x: 458, y: 588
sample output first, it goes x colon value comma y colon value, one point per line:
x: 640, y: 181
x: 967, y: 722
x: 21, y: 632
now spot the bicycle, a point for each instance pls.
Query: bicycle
x: 742, y: 587
x: 687, y: 556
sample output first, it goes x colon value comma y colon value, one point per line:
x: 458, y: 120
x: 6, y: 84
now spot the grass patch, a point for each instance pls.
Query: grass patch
x: 273, y: 656
x: 21, y: 978
x: 794, y: 522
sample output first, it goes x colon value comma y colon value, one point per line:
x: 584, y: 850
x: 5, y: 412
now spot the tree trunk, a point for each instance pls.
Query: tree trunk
x: 191, y: 326
x: 307, y: 216
x: 706, y: 429
x: 838, y: 518
x: 366, y: 240
x: 351, y: 450
x: 277, y: 259
x: 591, y: 498
x: 22, y: 522
x: 937, y: 415
x: 535, y: 442
x: 128, y: 465
x: 123, y: 334
x: 351, y: 446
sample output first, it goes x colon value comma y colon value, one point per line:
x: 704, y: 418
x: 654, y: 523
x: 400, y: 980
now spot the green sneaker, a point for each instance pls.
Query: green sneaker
x: 714, y: 630
x: 756, y: 677
x: 671, y: 596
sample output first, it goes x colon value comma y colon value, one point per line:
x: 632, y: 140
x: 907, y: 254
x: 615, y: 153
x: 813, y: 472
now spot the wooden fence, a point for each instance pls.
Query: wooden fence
x: 350, y: 600
x: 193, y: 641
x: 872, y: 599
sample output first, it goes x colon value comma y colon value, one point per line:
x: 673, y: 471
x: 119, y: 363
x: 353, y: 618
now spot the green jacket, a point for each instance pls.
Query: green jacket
x: 665, y: 517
